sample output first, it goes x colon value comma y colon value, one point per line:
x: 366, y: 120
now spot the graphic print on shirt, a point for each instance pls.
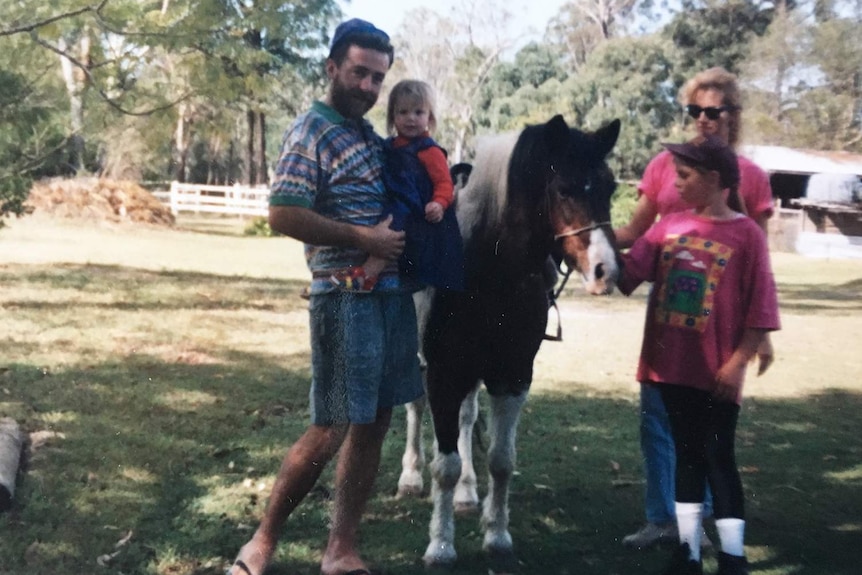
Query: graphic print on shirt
x: 692, y: 268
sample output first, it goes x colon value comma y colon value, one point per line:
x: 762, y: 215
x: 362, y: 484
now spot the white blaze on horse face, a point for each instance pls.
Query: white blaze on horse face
x: 601, y: 275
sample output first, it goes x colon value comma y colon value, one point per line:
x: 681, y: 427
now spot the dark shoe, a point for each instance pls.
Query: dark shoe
x: 682, y: 564
x: 652, y: 534
x: 731, y: 564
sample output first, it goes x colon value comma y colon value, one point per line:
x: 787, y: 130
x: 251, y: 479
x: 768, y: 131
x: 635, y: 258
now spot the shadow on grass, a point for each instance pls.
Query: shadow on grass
x: 813, y: 297
x: 183, y: 456
x: 133, y: 289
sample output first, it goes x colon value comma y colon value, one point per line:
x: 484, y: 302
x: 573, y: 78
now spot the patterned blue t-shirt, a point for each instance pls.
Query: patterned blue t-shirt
x: 333, y: 165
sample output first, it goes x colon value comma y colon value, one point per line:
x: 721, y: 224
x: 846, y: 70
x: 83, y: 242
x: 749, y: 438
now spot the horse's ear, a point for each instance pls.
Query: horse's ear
x: 557, y: 133
x: 606, y: 137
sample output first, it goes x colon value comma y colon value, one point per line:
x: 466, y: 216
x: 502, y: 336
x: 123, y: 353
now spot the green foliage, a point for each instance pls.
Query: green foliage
x: 210, y: 62
x: 260, y: 227
x: 629, y: 79
x: 623, y: 203
x: 708, y: 34
x: 29, y: 137
x: 525, y: 91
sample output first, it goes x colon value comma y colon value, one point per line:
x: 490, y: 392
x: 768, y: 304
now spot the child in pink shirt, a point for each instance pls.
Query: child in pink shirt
x: 712, y: 304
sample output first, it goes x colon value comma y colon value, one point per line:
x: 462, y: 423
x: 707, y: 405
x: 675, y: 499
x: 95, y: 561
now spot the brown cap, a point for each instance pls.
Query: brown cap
x: 710, y: 153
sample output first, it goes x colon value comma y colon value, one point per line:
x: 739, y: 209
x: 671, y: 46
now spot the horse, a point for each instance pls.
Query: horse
x: 544, y: 192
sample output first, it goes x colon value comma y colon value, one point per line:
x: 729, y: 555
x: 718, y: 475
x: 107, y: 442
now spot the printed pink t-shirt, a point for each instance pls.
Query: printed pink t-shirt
x: 658, y: 180
x: 712, y: 280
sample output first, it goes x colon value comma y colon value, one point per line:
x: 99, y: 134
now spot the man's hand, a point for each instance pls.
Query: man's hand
x: 310, y: 227
x: 382, y: 241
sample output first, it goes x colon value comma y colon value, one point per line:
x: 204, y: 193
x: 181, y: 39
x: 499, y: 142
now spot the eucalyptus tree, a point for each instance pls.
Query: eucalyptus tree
x: 524, y: 91
x: 803, y: 79
x: 709, y: 33
x: 581, y: 25
x: 775, y: 74
x: 250, y: 57
x: 629, y: 78
x: 829, y: 115
x: 456, y: 55
x: 33, y: 135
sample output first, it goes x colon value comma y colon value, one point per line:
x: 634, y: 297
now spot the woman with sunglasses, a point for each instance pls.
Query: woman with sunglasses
x: 712, y: 99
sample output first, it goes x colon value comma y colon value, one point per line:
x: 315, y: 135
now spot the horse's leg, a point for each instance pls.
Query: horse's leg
x: 410, y: 484
x: 445, y: 470
x: 505, y: 412
x: 466, y: 496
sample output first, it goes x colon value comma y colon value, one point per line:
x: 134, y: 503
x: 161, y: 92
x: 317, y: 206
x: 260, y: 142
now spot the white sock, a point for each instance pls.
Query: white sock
x: 689, y: 517
x: 731, y: 533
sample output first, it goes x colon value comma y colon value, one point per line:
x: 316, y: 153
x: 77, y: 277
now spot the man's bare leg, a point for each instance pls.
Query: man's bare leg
x: 354, y: 482
x: 300, y: 470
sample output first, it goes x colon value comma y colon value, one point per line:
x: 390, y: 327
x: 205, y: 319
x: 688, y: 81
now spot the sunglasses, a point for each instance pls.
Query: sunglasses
x: 712, y: 112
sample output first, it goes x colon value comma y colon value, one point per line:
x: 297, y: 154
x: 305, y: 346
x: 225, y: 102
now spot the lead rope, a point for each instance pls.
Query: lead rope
x: 554, y: 294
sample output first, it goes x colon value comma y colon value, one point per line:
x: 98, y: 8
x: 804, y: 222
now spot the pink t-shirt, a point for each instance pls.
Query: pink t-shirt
x: 657, y: 184
x: 712, y: 281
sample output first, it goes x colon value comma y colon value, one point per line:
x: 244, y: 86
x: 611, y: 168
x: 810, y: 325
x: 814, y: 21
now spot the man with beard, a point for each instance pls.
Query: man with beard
x: 329, y: 194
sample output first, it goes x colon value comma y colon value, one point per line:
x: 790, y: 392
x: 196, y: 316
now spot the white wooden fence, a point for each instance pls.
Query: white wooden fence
x: 198, y: 198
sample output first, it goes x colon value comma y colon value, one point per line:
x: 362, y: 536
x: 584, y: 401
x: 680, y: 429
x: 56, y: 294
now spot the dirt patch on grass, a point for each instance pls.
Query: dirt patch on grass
x: 98, y: 199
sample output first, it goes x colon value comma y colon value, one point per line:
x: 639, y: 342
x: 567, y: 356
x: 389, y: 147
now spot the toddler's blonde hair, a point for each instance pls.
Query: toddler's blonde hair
x: 418, y: 92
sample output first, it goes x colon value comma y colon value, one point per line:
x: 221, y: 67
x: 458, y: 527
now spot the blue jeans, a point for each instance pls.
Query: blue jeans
x: 659, y: 456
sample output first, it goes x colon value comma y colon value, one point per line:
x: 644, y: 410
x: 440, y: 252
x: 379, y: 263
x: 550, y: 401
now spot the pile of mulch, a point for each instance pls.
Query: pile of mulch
x: 98, y: 199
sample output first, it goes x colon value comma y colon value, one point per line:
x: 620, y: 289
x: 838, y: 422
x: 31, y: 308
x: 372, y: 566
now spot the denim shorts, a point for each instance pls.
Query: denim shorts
x: 363, y: 355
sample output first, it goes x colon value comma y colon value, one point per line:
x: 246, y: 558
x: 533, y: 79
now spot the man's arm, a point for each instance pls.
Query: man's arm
x: 310, y: 227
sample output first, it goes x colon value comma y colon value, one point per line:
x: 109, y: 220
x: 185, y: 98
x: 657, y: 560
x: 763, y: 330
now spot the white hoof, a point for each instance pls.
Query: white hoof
x: 466, y: 498
x: 498, y: 544
x: 410, y: 484
x: 439, y: 554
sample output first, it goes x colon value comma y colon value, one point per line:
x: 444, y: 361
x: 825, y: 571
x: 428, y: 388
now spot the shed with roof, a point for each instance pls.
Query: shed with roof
x: 818, y: 199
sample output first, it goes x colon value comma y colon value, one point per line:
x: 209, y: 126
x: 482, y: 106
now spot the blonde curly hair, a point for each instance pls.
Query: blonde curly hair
x: 721, y: 80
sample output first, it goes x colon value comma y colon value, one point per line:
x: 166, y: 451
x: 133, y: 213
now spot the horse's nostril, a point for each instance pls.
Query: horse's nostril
x: 600, y: 271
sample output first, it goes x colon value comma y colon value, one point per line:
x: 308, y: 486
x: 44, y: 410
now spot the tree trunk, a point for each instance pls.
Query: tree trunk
x: 180, y: 145
x: 75, y: 84
x: 249, y: 149
x: 230, y: 178
x: 260, y: 162
x: 11, y: 442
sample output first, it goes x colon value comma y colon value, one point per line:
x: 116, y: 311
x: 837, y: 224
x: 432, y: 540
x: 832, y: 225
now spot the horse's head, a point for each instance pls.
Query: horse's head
x: 579, y: 187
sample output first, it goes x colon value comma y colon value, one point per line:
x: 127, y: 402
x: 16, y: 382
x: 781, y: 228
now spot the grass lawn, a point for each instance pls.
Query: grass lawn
x: 162, y: 373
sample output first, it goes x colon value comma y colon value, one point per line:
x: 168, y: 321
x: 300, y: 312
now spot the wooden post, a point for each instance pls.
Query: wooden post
x: 10, y: 456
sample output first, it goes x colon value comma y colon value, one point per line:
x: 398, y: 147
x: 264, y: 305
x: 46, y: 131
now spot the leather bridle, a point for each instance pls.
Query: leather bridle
x: 579, y: 231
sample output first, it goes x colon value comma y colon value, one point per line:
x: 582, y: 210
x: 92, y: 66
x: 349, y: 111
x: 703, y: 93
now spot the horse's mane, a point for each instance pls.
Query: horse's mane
x: 483, y: 199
